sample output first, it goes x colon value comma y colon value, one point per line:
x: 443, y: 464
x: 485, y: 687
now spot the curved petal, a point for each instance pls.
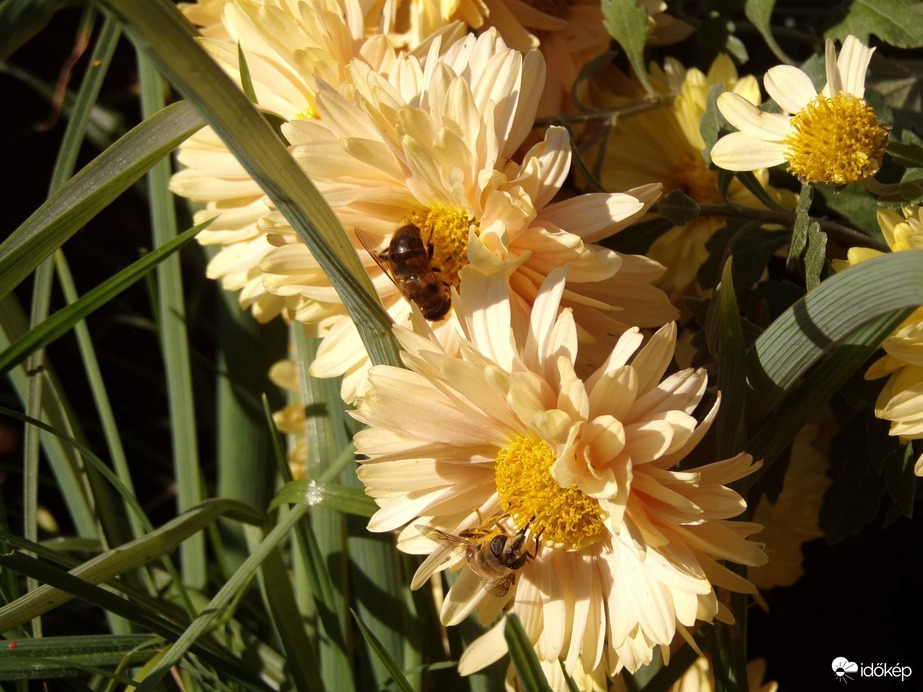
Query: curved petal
x: 741, y: 152
x: 751, y: 120
x: 788, y: 86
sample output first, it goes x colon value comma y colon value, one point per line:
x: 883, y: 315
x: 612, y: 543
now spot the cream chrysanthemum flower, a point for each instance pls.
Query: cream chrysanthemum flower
x: 699, y: 677
x: 431, y: 145
x: 901, y: 400
x: 831, y: 137
x: 286, y: 44
x: 508, y: 438
x: 665, y: 145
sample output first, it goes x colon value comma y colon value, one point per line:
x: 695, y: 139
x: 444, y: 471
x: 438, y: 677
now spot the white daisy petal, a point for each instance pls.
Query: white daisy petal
x: 788, y: 86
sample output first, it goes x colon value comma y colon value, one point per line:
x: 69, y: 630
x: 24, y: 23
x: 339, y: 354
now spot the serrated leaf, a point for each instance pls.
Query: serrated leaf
x: 678, y: 208
x: 712, y: 123
x: 906, y: 155
x: 896, y: 22
x: 854, y: 203
x: 815, y: 256
x: 531, y: 676
x: 799, y: 242
x: 759, y: 13
x: 627, y: 22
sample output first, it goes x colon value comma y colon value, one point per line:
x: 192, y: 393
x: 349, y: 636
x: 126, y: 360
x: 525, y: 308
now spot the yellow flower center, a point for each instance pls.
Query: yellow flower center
x: 447, y: 229
x: 690, y: 174
x: 564, y: 517
x: 556, y: 8
x: 309, y: 113
x: 836, y: 140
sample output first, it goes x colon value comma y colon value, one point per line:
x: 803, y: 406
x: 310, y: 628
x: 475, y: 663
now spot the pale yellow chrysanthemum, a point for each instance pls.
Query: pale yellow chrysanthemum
x: 431, y: 144
x: 901, y: 400
x: 291, y: 419
x: 833, y: 137
x: 508, y: 438
x: 665, y: 145
x: 793, y: 519
x: 569, y: 33
x: 286, y: 44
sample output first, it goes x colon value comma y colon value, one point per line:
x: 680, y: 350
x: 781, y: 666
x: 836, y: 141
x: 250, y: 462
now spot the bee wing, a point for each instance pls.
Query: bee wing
x: 458, y: 546
x: 499, y: 587
x: 368, y: 242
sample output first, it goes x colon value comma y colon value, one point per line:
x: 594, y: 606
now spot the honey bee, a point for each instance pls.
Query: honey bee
x: 406, y: 261
x: 495, y: 556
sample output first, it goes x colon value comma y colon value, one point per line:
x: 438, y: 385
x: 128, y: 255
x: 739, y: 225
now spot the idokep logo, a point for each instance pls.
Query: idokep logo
x: 845, y: 670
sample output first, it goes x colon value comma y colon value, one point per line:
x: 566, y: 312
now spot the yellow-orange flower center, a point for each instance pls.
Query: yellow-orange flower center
x: 836, y: 140
x: 447, y: 229
x: 562, y: 517
x: 309, y: 113
x: 690, y: 174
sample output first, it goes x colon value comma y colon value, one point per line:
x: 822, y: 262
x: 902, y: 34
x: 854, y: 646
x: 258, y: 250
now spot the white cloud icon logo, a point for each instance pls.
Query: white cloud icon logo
x: 841, y: 667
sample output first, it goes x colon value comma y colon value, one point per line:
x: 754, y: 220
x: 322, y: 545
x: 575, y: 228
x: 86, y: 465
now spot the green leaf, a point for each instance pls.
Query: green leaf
x: 246, y: 82
x: 126, y: 557
x: 759, y: 13
x: 531, y: 676
x: 330, y: 495
x: 854, y: 203
x: 799, y: 243
x: 396, y: 673
x: 712, y: 123
x: 896, y: 22
x: 222, y: 599
x: 58, y: 657
x: 63, y: 320
x: 818, y: 322
x: 678, y: 208
x: 815, y: 256
x: 731, y: 423
x: 58, y: 580
x: 627, y: 23
x: 897, y: 467
x: 91, y: 190
x: 908, y: 155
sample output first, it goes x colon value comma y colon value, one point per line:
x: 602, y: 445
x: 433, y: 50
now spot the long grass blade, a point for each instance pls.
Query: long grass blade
x: 397, y: 675
x: 58, y: 657
x: 531, y: 676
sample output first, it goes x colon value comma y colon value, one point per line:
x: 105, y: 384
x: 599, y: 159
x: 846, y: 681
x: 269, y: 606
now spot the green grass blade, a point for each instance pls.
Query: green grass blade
x: 58, y: 580
x: 65, y: 464
x: 141, y: 551
x: 221, y: 600
x: 531, y: 676
x: 159, y: 29
x: 825, y: 317
x: 98, y: 389
x: 53, y: 657
x: 92, y: 189
x: 396, y: 673
x: 65, y: 319
x: 174, y: 337
x: 334, y: 496
x: 283, y: 610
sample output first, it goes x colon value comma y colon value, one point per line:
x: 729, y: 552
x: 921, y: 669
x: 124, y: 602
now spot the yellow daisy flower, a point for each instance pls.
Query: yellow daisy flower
x: 430, y: 145
x: 901, y: 400
x: 572, y: 481
x: 831, y: 137
x: 665, y: 145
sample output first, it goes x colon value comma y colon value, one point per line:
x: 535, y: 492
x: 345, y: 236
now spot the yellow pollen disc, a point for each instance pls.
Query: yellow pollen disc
x: 560, y: 516
x: 447, y: 229
x: 309, y: 113
x: 556, y: 8
x: 691, y: 175
x: 836, y: 140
